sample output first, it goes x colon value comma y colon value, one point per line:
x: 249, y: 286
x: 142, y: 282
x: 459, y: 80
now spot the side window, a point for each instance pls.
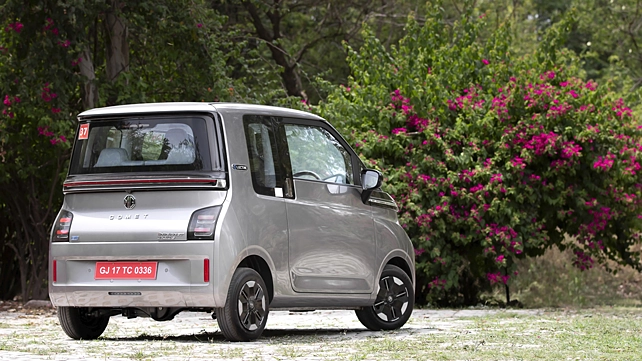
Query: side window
x: 263, y: 154
x: 316, y: 154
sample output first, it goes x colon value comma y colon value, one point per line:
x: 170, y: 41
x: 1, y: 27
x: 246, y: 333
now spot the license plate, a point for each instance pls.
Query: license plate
x: 125, y: 270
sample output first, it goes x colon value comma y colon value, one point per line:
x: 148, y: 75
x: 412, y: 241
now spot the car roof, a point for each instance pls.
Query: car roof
x: 223, y: 108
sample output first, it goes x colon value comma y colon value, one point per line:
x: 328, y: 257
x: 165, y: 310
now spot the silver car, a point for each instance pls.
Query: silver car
x: 230, y: 209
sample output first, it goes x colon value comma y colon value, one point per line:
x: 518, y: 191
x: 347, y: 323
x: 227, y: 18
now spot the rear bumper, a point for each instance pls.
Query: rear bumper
x: 180, y: 279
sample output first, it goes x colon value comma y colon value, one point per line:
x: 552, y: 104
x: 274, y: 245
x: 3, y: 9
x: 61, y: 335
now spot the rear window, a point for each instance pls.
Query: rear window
x: 141, y: 144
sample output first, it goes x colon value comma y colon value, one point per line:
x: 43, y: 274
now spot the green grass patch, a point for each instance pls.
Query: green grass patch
x: 612, y: 334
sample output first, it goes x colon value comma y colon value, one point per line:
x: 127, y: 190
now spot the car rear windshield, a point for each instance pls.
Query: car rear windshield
x: 141, y: 144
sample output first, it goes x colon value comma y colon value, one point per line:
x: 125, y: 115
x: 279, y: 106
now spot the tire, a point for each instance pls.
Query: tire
x: 393, y: 306
x: 80, y: 325
x: 246, y: 309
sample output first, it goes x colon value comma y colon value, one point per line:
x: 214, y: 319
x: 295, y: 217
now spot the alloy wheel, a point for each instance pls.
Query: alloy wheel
x: 392, y: 299
x: 251, y: 305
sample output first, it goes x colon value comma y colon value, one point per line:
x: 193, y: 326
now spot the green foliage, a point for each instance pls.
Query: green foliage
x: 492, y: 157
x: 176, y: 52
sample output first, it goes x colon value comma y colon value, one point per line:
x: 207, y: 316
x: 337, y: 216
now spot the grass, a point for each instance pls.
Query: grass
x: 606, y: 333
x: 585, y: 335
x: 552, y: 281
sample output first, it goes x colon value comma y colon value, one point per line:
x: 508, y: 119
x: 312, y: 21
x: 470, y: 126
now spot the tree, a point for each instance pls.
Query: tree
x: 301, y: 39
x: 59, y: 58
x: 492, y: 157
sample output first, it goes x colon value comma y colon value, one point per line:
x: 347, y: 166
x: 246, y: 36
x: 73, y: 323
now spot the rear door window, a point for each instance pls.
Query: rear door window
x: 142, y: 144
x: 265, y: 166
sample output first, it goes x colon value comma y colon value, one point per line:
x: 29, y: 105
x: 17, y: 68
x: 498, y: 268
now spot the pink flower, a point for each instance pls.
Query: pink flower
x: 486, y: 62
x: 50, y: 23
x: 518, y: 162
x: 54, y: 31
x: 604, y: 163
x: 76, y: 62
x: 496, y: 178
x: 64, y: 44
x: 55, y: 110
x: 496, y: 278
x: 570, y: 149
x: 398, y: 130
x: 476, y: 188
x: 199, y: 25
x: 17, y: 27
x: 7, y: 101
x: 419, y: 251
x: 499, y: 258
x: 62, y: 138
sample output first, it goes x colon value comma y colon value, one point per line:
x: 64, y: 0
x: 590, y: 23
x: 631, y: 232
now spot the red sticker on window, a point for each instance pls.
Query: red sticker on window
x: 83, y: 132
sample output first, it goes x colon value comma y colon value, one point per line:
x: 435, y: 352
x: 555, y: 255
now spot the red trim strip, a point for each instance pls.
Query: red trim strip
x: 206, y: 270
x: 55, y: 271
x: 139, y: 181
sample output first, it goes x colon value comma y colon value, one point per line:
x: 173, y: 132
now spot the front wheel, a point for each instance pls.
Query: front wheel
x: 81, y: 324
x: 394, y: 302
x: 245, y: 313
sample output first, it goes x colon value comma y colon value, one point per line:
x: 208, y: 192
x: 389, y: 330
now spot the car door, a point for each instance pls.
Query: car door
x: 331, y: 232
x: 263, y: 211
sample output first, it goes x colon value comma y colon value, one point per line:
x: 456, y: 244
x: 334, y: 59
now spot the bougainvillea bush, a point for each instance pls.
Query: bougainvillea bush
x: 492, y: 157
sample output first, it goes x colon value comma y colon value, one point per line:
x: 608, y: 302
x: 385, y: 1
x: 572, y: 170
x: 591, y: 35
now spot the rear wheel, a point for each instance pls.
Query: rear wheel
x: 245, y: 313
x: 80, y: 324
x: 394, y: 302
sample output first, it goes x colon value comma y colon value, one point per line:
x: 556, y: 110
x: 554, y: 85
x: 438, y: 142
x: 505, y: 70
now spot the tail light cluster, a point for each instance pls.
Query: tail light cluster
x: 202, y: 223
x: 62, y: 226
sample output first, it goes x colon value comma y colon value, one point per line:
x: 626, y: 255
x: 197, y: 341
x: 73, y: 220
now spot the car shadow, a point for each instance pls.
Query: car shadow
x: 288, y: 335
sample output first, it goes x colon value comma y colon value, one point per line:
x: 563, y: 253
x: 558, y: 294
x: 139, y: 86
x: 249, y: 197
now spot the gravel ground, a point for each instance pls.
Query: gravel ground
x: 34, y: 334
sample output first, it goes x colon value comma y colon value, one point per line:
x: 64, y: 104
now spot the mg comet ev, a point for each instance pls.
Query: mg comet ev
x: 229, y: 209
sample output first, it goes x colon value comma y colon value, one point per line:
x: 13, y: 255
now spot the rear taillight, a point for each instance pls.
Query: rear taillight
x: 54, y: 271
x: 202, y: 223
x: 62, y: 226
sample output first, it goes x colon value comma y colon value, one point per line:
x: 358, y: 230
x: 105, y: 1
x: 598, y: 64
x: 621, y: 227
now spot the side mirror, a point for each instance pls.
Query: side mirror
x: 370, y: 180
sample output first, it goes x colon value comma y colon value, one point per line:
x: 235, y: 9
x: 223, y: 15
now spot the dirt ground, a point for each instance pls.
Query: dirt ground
x: 34, y: 334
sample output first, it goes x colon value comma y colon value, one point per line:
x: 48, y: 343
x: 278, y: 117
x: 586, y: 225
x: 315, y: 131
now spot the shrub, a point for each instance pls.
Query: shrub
x: 492, y: 157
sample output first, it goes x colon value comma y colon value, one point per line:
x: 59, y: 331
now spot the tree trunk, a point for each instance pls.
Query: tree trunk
x: 9, y: 284
x: 117, y: 46
x: 290, y: 74
x: 89, y: 89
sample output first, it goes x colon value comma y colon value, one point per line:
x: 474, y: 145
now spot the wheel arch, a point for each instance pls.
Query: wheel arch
x: 401, y: 263
x: 400, y: 259
x: 259, y: 264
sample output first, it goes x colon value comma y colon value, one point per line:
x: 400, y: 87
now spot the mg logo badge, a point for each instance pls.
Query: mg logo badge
x: 130, y: 201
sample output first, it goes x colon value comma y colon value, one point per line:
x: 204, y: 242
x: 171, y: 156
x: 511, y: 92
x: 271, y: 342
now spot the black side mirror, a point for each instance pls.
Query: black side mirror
x: 370, y: 180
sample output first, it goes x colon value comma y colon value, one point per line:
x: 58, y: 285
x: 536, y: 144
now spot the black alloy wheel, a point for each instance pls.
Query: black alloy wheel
x: 246, y: 309
x: 394, y: 303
